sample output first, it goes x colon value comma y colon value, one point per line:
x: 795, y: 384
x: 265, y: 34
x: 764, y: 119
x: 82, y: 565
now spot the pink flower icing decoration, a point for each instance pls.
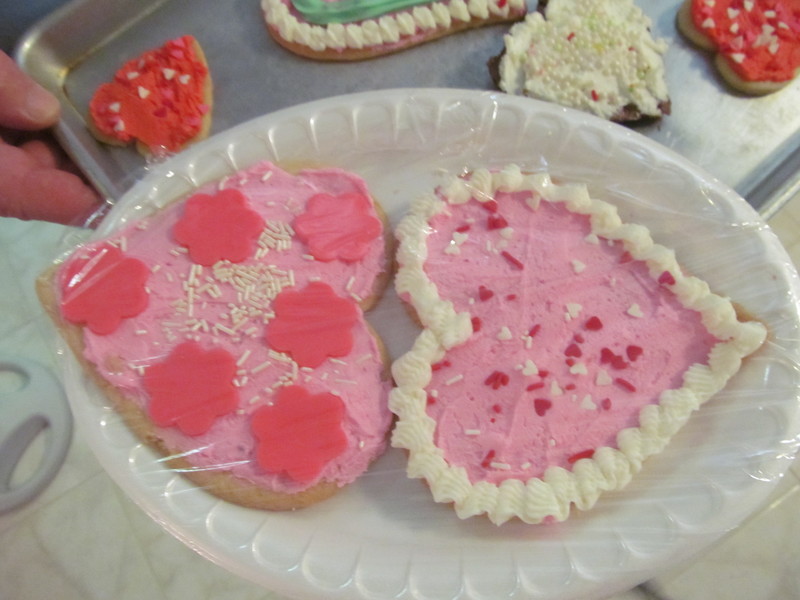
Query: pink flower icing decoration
x: 299, y: 433
x: 338, y: 227
x: 191, y: 388
x: 218, y: 227
x: 312, y: 324
x: 103, y: 288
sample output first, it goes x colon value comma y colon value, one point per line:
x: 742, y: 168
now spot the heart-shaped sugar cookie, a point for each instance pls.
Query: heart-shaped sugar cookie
x: 560, y: 346
x: 160, y: 100
x: 240, y: 349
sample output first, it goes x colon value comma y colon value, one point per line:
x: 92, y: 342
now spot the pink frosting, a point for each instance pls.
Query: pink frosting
x: 571, y: 338
x: 229, y: 305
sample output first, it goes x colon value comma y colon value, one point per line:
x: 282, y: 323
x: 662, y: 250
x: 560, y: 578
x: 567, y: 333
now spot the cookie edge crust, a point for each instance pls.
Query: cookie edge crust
x: 551, y: 496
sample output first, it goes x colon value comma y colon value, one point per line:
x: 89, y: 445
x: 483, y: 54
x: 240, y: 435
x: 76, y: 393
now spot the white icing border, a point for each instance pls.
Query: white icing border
x: 391, y: 28
x: 609, y: 469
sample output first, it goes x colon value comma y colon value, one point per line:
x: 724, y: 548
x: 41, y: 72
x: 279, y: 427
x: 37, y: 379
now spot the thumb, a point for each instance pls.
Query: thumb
x: 24, y: 104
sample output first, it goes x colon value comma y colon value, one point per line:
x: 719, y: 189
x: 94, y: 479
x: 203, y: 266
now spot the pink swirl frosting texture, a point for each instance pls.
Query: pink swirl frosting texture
x: 571, y: 338
x: 210, y: 303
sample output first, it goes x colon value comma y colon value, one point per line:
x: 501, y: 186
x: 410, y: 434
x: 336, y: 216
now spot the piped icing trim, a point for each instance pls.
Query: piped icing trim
x: 394, y: 29
x: 589, y: 471
x: 595, y: 56
x: 198, y: 356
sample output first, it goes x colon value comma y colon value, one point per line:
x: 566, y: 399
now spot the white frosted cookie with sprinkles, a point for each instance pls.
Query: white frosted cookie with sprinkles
x: 228, y: 330
x: 561, y: 347
x: 597, y: 56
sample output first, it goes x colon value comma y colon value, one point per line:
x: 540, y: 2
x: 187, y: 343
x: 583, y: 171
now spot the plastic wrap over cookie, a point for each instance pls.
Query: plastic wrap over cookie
x: 571, y: 347
x: 382, y: 536
x: 228, y: 330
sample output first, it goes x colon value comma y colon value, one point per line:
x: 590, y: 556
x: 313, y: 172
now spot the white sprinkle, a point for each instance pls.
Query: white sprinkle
x: 708, y: 23
x: 168, y: 73
x: 350, y: 283
x: 184, y: 79
x: 738, y: 57
x: 452, y: 249
x: 587, y: 404
x: 472, y: 432
x: 363, y: 358
x: 434, y: 393
x: 119, y: 125
x: 578, y: 369
x: 603, y: 378
x: 453, y: 380
x: 347, y: 381
x: 500, y: 466
x: 142, y: 332
x: 578, y: 266
x: 266, y: 176
x: 555, y: 389
x: 243, y: 358
x: 592, y: 239
x: 552, y: 442
x: 505, y: 334
x: 635, y: 311
x: 524, y: 466
x: 573, y: 310
x: 143, y: 92
x: 770, y: 14
x: 309, y: 257
x: 132, y: 74
x: 734, y: 28
x: 748, y: 5
x: 459, y: 238
x: 114, y: 107
x: 337, y: 361
x: 530, y: 368
x: 733, y: 13
x: 507, y: 232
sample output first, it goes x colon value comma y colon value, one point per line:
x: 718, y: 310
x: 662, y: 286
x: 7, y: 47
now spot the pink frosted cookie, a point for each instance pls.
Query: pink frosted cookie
x: 342, y: 30
x: 228, y: 330
x: 560, y: 347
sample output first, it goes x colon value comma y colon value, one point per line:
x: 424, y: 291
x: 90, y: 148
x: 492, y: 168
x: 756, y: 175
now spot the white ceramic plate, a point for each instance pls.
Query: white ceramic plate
x: 384, y: 537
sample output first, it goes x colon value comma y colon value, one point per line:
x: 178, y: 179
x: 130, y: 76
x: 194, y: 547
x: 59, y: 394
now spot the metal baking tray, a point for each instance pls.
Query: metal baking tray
x: 751, y: 144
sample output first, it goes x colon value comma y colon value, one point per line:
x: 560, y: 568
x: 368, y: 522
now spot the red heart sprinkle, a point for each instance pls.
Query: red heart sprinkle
x: 666, y: 278
x: 541, y: 406
x: 496, y: 222
x: 634, y: 352
x: 484, y: 293
x: 476, y: 324
x: 573, y: 350
x: 594, y: 324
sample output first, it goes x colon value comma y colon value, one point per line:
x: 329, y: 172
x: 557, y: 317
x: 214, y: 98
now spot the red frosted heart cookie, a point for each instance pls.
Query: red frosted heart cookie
x: 161, y: 100
x: 558, y: 351
x: 757, y: 42
x: 239, y: 348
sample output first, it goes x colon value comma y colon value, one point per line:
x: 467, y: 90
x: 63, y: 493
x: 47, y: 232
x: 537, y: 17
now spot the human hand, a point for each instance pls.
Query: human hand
x: 37, y: 180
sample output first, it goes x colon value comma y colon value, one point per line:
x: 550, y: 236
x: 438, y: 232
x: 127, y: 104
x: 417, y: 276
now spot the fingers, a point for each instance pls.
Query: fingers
x: 24, y: 104
x: 32, y: 189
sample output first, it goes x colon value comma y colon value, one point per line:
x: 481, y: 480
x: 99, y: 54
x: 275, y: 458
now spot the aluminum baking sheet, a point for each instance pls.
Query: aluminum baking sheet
x: 751, y: 144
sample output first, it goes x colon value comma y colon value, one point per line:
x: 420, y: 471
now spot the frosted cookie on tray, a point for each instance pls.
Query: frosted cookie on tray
x: 228, y: 330
x: 342, y: 30
x: 756, y: 43
x: 597, y: 56
x: 161, y: 101
x: 561, y: 347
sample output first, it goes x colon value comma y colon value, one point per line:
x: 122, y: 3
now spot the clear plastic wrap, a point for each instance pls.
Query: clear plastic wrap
x: 383, y: 536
